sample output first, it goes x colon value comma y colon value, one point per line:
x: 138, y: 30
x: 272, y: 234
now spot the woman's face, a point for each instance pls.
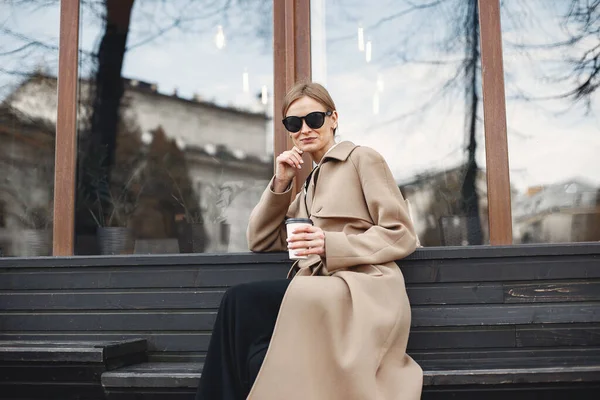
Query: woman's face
x: 312, y: 140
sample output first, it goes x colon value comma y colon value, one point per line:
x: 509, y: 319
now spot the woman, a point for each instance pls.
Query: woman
x: 339, y: 328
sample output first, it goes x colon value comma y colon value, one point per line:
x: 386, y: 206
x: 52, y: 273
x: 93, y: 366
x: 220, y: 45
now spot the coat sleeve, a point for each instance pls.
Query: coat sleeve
x: 266, y: 227
x: 392, y: 236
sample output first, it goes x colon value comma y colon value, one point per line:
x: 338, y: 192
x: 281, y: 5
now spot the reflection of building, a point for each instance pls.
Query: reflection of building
x: 224, y: 149
x: 436, y: 207
x: 563, y: 212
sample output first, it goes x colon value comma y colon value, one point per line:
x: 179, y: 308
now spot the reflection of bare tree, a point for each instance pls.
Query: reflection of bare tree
x: 584, y: 19
x: 461, y: 19
x: 108, y: 87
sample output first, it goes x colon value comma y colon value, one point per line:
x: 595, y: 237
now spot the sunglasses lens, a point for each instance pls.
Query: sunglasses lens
x: 315, y: 120
x: 293, y: 124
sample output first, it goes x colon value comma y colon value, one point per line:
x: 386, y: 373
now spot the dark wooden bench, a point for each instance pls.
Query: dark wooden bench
x: 521, y: 321
x: 34, y: 369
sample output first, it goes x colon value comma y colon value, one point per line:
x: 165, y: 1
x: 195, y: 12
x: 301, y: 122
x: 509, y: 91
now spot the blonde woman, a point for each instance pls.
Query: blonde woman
x: 337, y: 328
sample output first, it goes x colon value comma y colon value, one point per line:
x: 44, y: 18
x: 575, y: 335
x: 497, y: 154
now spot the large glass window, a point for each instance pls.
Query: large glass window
x: 28, y: 68
x: 175, y: 132
x: 551, y: 53
x: 406, y: 80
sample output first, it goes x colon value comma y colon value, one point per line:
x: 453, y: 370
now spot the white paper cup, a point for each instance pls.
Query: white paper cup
x: 291, y: 224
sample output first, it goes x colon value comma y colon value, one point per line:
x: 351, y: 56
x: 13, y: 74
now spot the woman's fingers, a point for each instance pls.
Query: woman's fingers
x: 310, y: 239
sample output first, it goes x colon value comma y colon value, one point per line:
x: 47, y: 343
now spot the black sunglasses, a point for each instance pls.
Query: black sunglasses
x: 314, y: 120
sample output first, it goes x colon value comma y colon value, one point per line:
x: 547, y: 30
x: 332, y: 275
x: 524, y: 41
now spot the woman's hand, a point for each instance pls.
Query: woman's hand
x: 309, y: 239
x: 287, y: 163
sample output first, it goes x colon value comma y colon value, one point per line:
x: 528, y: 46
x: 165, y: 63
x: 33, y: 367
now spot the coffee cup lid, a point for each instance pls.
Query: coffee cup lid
x: 298, y: 221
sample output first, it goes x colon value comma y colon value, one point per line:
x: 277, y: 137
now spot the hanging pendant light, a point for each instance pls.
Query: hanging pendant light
x: 220, y: 38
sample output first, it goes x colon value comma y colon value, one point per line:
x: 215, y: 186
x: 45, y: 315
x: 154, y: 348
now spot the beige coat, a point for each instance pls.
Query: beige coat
x: 343, y: 325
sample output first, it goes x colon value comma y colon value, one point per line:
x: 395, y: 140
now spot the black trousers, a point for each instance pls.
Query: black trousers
x: 240, y: 339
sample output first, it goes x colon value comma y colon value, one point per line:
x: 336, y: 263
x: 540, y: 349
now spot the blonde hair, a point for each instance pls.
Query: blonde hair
x: 309, y: 89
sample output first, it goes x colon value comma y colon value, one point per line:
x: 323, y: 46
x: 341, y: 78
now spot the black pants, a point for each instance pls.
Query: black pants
x: 240, y: 339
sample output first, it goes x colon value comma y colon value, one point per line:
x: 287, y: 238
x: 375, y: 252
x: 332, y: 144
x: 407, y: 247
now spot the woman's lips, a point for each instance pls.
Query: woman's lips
x: 307, y: 140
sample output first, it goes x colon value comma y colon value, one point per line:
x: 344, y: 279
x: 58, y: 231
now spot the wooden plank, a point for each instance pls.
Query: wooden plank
x: 588, y: 290
x: 51, y: 372
x: 554, y: 335
x: 154, y: 375
x: 66, y: 131
x: 194, y: 320
x: 137, y: 278
x: 175, y: 276
x: 461, y: 337
x: 468, y: 254
x: 545, y: 391
x: 158, y: 341
x: 494, y: 112
x: 171, y: 320
x: 303, y: 66
x: 151, y: 394
x: 501, y: 270
x: 505, y: 314
x: 512, y: 376
x: 506, y: 358
x: 190, y: 298
x: 280, y: 66
x: 68, y: 350
x: 113, y: 300
x: 455, y: 294
x: 51, y: 390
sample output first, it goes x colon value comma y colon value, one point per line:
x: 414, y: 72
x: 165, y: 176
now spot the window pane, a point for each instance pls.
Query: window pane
x: 29, y: 34
x: 551, y: 52
x: 406, y: 80
x: 175, y: 131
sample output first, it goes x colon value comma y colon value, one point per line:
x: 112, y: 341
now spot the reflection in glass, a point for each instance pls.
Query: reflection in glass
x: 28, y: 68
x: 411, y: 89
x: 551, y: 52
x: 174, y: 124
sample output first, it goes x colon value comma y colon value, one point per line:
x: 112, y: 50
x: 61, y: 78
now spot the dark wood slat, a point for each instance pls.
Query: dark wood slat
x: 478, y: 270
x: 558, y: 335
x: 502, y: 254
x: 111, y: 300
x: 152, y: 394
x: 154, y: 375
x: 588, y: 290
x: 156, y: 341
x: 50, y: 372
x: 506, y: 358
x: 68, y: 351
x: 210, y: 299
x: 502, y: 270
x: 455, y: 294
x: 172, y: 320
x: 126, y: 278
x: 505, y: 314
x: 109, y: 321
x: 543, y: 391
x: 512, y: 376
x: 49, y: 390
x: 461, y: 338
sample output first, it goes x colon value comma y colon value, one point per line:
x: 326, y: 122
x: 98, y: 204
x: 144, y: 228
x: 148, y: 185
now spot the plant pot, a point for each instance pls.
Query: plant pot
x: 191, y: 237
x: 36, y: 243
x: 114, y: 240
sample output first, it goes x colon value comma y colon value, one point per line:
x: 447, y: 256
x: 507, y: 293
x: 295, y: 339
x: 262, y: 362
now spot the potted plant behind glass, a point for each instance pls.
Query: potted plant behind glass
x: 32, y: 216
x: 191, y: 231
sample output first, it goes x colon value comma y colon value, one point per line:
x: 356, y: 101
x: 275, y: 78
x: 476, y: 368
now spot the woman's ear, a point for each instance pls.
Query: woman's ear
x: 334, y: 119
